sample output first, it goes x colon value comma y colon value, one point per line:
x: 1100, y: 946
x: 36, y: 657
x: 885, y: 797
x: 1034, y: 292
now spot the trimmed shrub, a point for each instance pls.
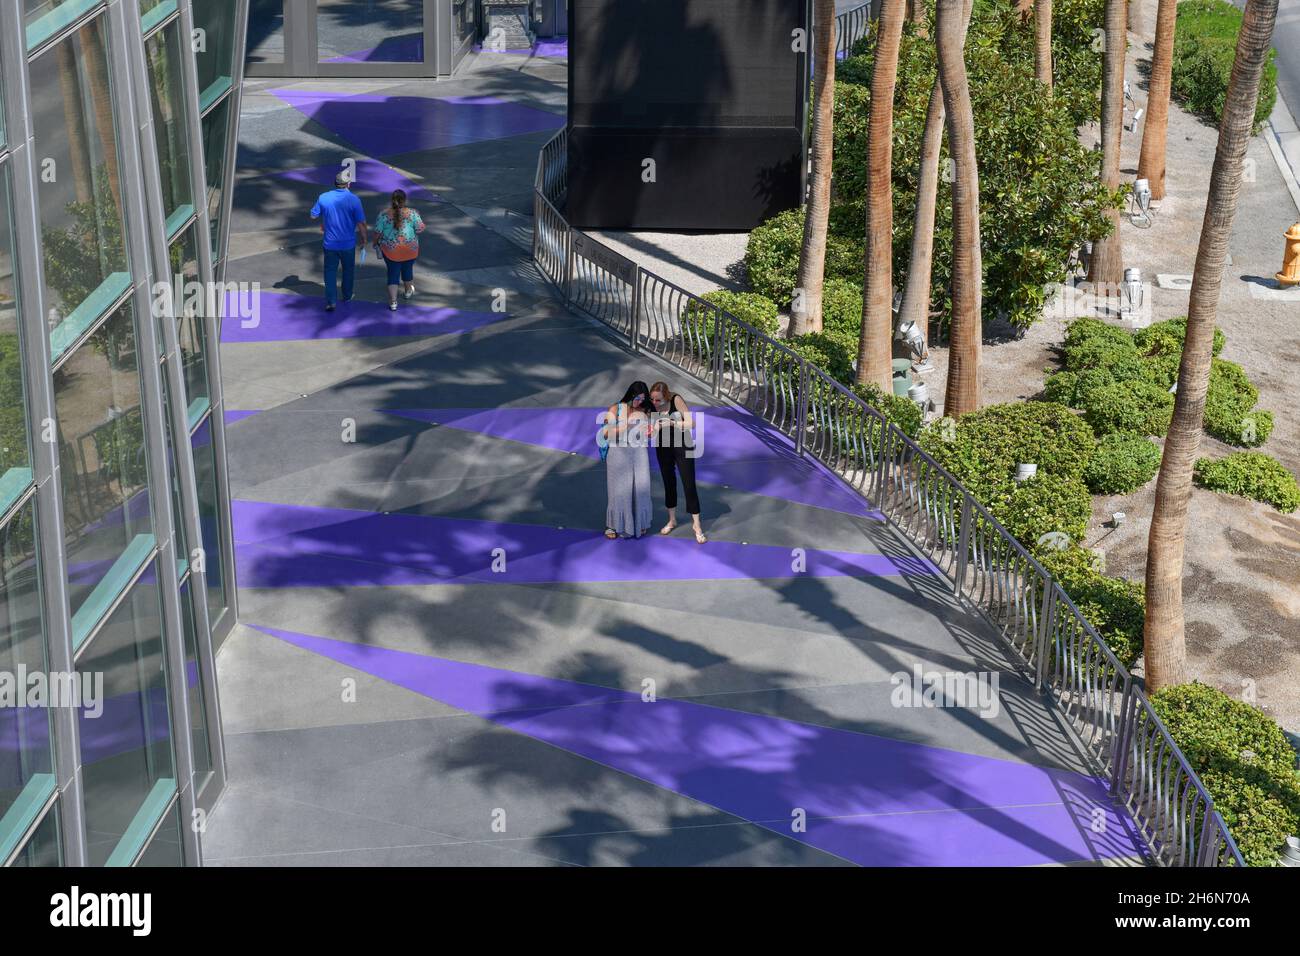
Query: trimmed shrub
x: 758, y: 310
x: 902, y: 412
x: 1122, y: 463
x: 772, y: 257
x: 842, y: 307
x: 1250, y: 474
x: 1245, y: 762
x: 989, y: 443
x: 1129, y: 406
x: 1045, y: 503
x: 831, y: 353
x: 1166, y: 338
x: 1205, y: 45
x: 1119, y: 358
x: 1228, y: 407
x: 1115, y: 607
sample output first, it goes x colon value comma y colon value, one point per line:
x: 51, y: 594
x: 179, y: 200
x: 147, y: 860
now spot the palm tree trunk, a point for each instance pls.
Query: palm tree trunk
x: 1151, y: 165
x: 875, y: 349
x: 1107, y: 265
x: 1166, y: 650
x: 70, y: 96
x: 807, y: 315
x: 916, y: 293
x: 1043, y: 42
x: 92, y: 48
x: 963, y: 391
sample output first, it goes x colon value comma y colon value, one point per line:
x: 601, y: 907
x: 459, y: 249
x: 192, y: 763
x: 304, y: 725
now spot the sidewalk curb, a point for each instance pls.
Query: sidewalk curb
x: 1275, y: 147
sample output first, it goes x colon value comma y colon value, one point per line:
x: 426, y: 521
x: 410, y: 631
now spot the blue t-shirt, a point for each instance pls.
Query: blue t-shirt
x: 342, y: 211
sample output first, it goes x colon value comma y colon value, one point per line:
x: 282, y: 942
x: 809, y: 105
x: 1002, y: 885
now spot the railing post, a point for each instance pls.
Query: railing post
x: 801, y: 408
x: 1046, y: 626
x: 719, y: 318
x: 568, y: 266
x: 634, y: 326
x: 963, y: 546
x: 1123, y: 738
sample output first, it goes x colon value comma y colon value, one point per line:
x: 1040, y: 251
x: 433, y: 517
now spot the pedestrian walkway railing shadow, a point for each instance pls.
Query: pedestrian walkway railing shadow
x: 1102, y: 702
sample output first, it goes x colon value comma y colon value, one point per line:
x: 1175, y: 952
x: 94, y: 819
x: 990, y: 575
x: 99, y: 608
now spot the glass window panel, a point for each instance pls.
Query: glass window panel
x: 165, y: 847
x: 370, y: 31
x: 205, y: 473
x: 266, y: 31
x: 194, y: 680
x: 80, y: 190
x: 126, y: 749
x: 189, y: 324
x: 103, y: 462
x: 14, y: 458
x: 24, y: 730
x: 216, y: 130
x: 44, y: 847
x: 216, y: 54
x: 166, y: 93
x: 47, y: 17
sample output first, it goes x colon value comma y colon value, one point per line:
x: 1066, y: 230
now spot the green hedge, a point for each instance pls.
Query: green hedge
x: 1115, y: 607
x: 758, y: 310
x: 1121, y: 381
x: 1122, y: 463
x: 1250, y: 474
x: 901, y: 412
x: 1205, y: 45
x: 1245, y: 762
x: 984, y: 448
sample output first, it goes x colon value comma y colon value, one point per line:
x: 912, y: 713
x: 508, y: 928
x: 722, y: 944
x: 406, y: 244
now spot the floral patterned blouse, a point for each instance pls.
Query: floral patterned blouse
x: 398, y: 241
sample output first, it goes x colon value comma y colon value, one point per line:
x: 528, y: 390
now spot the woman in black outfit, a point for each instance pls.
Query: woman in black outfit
x: 673, y: 442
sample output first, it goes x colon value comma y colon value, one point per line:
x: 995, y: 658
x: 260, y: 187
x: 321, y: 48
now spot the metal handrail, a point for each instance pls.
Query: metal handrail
x: 851, y: 26
x: 1111, y: 716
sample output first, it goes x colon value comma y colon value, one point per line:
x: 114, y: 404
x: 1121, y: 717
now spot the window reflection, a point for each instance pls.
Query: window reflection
x: 215, y: 58
x: 194, y: 680
x: 125, y: 750
x: 370, y: 31
x: 216, y: 129
x: 80, y: 190
x: 162, y: 54
x: 103, y: 462
x: 24, y: 731
x: 44, y: 848
x: 184, y: 255
x: 13, y: 428
x: 205, y: 474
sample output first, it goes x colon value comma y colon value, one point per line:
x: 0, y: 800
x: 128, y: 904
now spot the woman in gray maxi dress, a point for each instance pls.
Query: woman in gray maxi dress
x: 627, y: 465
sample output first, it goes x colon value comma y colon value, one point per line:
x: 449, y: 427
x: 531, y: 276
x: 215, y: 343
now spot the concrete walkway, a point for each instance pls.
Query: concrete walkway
x: 441, y: 660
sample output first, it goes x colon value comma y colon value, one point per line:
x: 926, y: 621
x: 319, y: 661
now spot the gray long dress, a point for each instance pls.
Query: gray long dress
x: 627, y: 482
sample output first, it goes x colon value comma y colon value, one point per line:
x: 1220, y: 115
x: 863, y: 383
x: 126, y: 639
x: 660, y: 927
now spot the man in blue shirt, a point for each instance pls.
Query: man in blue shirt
x: 341, y: 215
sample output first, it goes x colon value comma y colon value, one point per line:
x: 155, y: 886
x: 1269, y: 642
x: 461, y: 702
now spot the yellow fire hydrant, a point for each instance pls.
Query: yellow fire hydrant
x: 1290, y: 274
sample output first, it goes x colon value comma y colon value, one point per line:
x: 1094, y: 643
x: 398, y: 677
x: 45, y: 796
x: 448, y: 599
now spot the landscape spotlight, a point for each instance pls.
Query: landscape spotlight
x: 908, y: 332
x: 1133, y: 296
x: 1140, y: 204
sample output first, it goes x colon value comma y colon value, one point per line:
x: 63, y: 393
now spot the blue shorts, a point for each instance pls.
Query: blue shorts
x: 400, y: 271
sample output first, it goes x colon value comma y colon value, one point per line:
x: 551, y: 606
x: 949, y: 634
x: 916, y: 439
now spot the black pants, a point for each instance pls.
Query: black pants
x: 671, y: 461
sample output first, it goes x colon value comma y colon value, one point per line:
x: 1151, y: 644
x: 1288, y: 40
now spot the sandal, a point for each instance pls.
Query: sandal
x: 611, y: 534
x: 668, y: 528
x: 701, y: 537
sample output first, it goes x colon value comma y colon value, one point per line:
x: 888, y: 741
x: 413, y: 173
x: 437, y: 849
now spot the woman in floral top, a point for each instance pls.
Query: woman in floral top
x: 396, y: 239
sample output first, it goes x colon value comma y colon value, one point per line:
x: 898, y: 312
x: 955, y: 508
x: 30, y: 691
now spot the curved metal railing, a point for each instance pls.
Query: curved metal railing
x: 851, y: 26
x: 982, y: 562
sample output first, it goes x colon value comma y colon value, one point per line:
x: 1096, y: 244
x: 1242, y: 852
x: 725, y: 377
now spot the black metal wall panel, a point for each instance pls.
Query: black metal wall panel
x: 685, y: 114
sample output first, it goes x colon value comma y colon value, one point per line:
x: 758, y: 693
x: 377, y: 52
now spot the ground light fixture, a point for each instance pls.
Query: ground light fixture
x: 1117, y: 519
x: 1139, y: 212
x: 1025, y: 471
x: 1132, y: 295
x: 914, y: 338
x: 1291, y: 851
x: 919, y: 393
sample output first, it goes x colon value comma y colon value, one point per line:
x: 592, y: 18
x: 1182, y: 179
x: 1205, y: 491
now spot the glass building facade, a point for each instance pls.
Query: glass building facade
x: 117, y: 137
x: 360, y: 37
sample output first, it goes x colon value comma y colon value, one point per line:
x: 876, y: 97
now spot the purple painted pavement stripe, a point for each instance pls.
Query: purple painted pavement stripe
x: 372, y: 177
x: 298, y: 546
x: 869, y: 799
x: 389, y: 125
x: 286, y: 317
x: 407, y: 48
x: 736, y: 449
x: 233, y: 415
